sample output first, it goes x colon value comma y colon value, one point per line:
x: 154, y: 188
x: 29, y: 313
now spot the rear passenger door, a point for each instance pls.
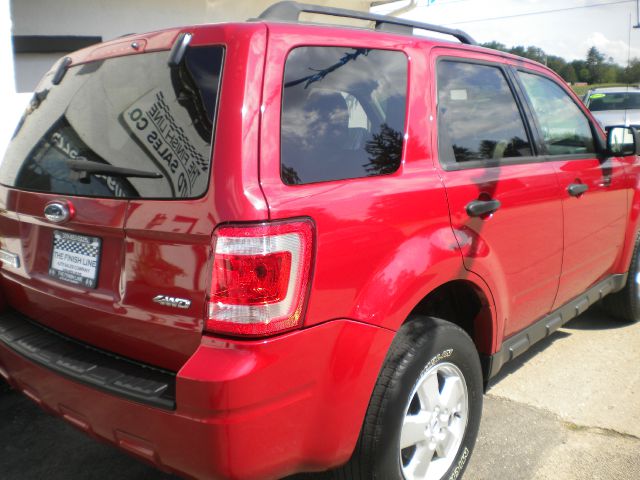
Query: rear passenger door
x: 505, y: 203
x: 593, y: 190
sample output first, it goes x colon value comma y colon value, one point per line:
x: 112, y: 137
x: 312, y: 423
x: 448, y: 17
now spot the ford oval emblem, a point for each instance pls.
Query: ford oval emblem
x: 58, y: 212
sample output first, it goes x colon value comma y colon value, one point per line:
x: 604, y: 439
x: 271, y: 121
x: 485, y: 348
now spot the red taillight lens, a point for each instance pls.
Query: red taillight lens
x: 260, y: 278
x: 251, y: 279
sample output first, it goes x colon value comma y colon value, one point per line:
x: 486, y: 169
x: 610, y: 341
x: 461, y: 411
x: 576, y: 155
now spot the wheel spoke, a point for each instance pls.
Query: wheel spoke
x: 423, y: 461
x: 429, y: 392
x: 444, y: 447
x: 452, y: 393
x: 413, y: 430
x: 457, y: 427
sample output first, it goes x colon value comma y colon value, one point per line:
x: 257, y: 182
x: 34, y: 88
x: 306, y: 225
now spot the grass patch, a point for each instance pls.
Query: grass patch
x: 582, y: 89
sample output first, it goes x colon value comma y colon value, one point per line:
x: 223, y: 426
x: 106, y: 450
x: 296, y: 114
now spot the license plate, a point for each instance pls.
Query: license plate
x: 75, y: 258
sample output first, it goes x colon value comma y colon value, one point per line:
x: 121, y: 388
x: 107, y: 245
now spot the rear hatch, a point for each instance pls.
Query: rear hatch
x: 104, y: 203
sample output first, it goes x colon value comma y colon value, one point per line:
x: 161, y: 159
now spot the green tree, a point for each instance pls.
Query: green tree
x: 595, y: 68
x: 536, y: 53
x: 495, y: 46
x: 595, y: 65
x: 580, y: 67
x: 584, y: 75
x: 557, y: 64
x: 518, y: 50
x: 632, y: 72
x: 569, y: 74
x: 611, y: 73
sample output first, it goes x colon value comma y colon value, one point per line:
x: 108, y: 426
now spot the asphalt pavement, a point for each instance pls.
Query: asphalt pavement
x: 568, y: 409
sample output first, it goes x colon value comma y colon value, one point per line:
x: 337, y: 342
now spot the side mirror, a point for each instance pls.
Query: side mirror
x: 622, y: 141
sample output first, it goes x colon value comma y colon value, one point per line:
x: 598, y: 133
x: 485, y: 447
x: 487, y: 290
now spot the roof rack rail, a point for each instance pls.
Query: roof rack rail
x: 289, y: 11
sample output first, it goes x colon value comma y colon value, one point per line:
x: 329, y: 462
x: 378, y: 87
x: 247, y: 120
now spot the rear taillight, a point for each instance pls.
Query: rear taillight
x: 260, y: 278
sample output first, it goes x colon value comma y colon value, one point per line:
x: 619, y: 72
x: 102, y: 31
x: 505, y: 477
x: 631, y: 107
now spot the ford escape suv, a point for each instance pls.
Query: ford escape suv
x: 250, y: 250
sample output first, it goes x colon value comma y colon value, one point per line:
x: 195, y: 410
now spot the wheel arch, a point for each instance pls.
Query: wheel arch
x: 466, y: 304
x: 633, y: 219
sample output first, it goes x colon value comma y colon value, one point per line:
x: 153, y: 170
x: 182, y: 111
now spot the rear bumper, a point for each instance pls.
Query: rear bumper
x: 244, y: 409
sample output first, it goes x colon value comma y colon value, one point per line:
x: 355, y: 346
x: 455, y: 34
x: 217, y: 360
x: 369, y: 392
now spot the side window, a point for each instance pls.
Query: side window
x: 478, y: 118
x: 343, y: 113
x: 565, y: 128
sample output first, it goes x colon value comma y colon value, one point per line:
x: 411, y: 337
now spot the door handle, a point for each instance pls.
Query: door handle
x: 479, y: 208
x: 577, y: 189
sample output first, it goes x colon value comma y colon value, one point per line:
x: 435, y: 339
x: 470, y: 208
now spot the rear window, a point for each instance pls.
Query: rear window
x: 126, y: 127
x: 599, y: 102
x: 343, y: 113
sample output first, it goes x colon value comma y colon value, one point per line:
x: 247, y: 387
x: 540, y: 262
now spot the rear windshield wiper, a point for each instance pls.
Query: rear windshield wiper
x: 81, y: 164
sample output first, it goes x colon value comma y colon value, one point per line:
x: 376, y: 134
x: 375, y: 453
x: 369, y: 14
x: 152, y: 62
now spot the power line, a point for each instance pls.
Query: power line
x: 542, y: 12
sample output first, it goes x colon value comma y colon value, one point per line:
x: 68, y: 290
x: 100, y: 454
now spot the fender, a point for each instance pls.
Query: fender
x: 388, y: 304
x: 632, y: 166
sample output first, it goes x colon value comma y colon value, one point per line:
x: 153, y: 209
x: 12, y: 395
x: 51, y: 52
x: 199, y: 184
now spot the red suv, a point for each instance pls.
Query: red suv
x: 254, y: 249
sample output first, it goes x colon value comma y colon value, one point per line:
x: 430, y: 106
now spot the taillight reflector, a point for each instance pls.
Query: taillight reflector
x: 251, y: 279
x: 260, y: 278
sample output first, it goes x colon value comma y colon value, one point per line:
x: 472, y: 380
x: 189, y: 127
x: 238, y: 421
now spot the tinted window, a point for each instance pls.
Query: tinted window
x: 614, y: 101
x: 478, y: 118
x: 565, y: 128
x: 342, y: 113
x: 132, y: 112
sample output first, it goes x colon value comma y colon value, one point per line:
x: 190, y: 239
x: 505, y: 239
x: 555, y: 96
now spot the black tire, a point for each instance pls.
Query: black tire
x: 422, y: 344
x: 625, y: 304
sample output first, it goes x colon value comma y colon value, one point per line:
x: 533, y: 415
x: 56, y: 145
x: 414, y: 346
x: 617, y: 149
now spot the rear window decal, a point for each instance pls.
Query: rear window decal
x: 152, y: 120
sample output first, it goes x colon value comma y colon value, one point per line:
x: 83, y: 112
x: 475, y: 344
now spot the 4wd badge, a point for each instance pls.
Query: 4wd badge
x: 175, y: 302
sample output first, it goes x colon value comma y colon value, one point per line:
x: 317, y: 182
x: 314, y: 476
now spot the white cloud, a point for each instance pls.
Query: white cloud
x: 618, y: 49
x: 568, y: 34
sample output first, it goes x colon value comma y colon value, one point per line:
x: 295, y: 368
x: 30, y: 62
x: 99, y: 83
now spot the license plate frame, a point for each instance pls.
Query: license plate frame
x: 75, y: 258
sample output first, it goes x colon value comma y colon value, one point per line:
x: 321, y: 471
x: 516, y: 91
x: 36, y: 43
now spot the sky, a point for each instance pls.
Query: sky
x: 568, y: 33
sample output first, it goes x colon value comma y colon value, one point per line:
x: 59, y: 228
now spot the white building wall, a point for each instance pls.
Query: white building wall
x: 30, y: 67
x: 108, y: 19
x: 12, y: 104
x: 114, y: 18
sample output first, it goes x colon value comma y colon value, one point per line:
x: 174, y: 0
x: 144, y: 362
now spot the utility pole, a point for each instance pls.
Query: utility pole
x: 629, y: 49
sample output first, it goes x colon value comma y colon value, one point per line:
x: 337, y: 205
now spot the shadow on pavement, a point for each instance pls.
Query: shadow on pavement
x: 36, y: 445
x: 518, y: 362
x: 596, y: 318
